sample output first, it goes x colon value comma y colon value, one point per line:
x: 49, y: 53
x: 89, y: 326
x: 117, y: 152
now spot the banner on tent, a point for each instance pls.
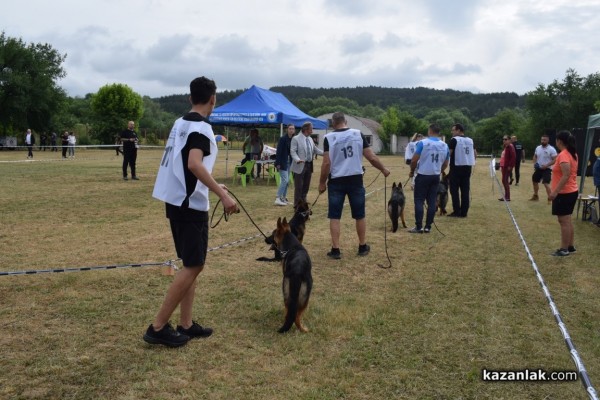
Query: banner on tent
x: 248, y: 118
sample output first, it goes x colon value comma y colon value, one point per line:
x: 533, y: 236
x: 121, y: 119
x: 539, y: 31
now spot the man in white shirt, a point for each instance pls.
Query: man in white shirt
x: 29, y: 142
x: 302, y: 151
x: 543, y: 160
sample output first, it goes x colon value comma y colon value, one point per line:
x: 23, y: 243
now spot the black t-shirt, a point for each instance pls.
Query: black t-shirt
x: 352, y: 179
x: 195, y: 140
x: 127, y: 144
x: 518, y: 149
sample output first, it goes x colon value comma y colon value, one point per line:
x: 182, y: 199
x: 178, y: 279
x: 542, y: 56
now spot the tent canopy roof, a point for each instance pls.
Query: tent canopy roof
x: 261, y: 107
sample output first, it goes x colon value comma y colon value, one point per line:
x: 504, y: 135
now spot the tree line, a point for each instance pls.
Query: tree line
x: 30, y: 97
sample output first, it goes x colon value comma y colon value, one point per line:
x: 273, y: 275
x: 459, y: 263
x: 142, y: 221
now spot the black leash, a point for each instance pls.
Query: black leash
x: 224, y: 215
x: 385, y: 226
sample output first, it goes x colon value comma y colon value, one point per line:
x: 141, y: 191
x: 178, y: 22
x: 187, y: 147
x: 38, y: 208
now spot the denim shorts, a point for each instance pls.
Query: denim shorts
x: 337, y: 192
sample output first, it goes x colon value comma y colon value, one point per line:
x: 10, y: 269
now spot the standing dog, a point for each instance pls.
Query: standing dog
x: 396, y: 206
x: 297, y: 277
x: 297, y: 225
x: 442, y: 194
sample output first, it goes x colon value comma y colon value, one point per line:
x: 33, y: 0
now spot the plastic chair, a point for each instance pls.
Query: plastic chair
x: 246, y: 175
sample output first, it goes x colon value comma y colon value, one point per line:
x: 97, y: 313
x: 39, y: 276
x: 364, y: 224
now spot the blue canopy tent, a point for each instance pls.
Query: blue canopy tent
x: 259, y: 107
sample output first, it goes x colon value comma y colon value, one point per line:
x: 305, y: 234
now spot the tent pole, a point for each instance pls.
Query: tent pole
x: 226, y: 150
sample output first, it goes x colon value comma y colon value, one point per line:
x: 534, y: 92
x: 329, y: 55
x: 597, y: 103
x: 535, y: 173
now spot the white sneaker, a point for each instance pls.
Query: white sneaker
x: 278, y: 202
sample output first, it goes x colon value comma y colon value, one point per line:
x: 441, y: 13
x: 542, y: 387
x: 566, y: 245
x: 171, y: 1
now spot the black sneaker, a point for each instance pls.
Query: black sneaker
x: 195, y: 331
x: 572, y: 249
x: 167, y: 336
x: 561, y: 253
x: 415, y: 230
x: 135, y: 178
x: 363, y: 249
x: 335, y: 254
x: 124, y: 178
x: 426, y: 230
x: 453, y: 214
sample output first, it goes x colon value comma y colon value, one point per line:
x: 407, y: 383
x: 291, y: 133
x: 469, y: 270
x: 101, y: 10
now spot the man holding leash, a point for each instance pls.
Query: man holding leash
x: 462, y: 160
x: 430, y: 160
x: 342, y: 174
x: 183, y: 181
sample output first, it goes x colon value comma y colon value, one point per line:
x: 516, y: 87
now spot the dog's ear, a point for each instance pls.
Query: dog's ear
x: 284, y: 222
x: 279, y: 223
x: 400, y: 185
x: 394, y: 185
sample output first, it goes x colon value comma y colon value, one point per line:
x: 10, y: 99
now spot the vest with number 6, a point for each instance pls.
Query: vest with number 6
x: 464, y: 153
x: 170, y: 180
x: 345, y: 153
x: 433, y: 155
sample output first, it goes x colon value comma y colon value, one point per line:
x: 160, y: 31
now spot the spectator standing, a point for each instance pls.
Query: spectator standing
x: 564, y: 191
x: 130, y: 144
x: 543, y: 158
x: 118, y: 144
x: 342, y: 175
x: 43, y: 140
x: 507, y: 163
x: 520, y: 159
x: 431, y: 159
x: 252, y: 149
x: 183, y: 182
x: 411, y: 147
x: 72, y: 140
x: 64, y: 141
x: 53, y: 138
x: 302, y: 151
x: 282, y: 163
x: 29, y: 142
x: 462, y: 160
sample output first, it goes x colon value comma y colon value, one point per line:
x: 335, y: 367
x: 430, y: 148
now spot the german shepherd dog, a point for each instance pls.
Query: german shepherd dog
x: 396, y: 206
x: 442, y: 194
x: 297, y: 225
x: 297, y: 277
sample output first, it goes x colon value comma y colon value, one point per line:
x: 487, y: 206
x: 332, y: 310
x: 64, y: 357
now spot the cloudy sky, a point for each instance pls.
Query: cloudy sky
x: 157, y: 46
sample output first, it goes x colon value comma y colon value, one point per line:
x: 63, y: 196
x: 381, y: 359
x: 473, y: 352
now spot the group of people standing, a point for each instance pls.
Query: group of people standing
x: 68, y: 143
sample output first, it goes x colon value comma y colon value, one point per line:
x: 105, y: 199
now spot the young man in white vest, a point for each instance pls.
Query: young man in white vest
x: 462, y: 160
x: 342, y: 174
x: 183, y: 181
x: 430, y: 159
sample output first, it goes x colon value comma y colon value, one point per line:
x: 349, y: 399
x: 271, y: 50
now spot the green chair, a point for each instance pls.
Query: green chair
x: 244, y: 171
x: 274, y: 173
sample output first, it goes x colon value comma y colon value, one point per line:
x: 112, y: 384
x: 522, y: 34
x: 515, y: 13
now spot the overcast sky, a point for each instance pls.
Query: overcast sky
x: 158, y: 46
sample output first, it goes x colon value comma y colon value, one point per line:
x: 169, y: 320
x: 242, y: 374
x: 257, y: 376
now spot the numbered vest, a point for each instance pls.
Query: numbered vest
x: 170, y: 180
x: 345, y: 152
x: 433, y: 155
x: 464, y: 153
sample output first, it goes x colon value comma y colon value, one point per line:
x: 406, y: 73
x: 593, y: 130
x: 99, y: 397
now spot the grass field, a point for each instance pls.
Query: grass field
x: 451, y: 305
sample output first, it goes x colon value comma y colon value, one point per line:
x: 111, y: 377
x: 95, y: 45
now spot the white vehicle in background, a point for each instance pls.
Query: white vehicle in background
x: 8, y: 142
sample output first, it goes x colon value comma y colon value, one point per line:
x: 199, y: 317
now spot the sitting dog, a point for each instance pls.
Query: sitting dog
x: 396, y: 206
x: 442, y: 195
x: 297, y: 225
x: 297, y: 277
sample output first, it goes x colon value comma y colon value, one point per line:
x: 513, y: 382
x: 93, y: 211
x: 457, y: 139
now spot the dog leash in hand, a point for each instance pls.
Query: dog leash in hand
x: 224, y: 215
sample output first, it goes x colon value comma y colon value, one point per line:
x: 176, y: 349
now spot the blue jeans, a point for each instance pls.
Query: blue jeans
x: 283, y: 184
x: 426, y: 187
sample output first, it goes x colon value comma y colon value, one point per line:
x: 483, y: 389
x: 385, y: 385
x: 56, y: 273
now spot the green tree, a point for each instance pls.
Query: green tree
x: 29, y: 94
x: 563, y: 105
x: 411, y: 124
x: 390, y: 125
x: 112, y: 107
x: 155, y: 121
x: 488, y: 134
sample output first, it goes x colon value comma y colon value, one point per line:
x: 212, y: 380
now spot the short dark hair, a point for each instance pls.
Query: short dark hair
x: 435, y: 128
x: 337, y: 118
x: 459, y: 127
x: 201, y: 90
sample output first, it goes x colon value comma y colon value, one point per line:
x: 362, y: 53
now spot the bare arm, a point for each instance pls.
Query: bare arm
x: 413, y: 164
x: 325, y: 169
x: 565, y: 167
x: 196, y: 166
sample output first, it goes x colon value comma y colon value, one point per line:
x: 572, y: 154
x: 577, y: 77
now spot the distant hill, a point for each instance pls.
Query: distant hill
x: 418, y: 101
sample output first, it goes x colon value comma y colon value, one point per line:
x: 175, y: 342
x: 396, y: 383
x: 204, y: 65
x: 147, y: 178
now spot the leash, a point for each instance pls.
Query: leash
x: 385, y: 227
x: 374, y: 180
x: 224, y: 215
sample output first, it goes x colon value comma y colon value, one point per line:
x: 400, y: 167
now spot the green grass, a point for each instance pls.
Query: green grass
x: 424, y: 329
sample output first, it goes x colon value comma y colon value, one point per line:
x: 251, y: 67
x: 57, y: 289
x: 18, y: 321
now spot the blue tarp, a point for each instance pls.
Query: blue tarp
x: 261, y: 107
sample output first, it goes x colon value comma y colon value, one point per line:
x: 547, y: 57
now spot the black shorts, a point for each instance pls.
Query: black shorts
x: 191, y: 241
x: 564, y: 203
x: 542, y: 175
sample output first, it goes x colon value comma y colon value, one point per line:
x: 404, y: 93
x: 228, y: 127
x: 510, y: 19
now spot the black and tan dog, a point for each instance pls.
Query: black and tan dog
x: 297, y: 277
x: 442, y: 194
x: 297, y: 224
x: 396, y: 206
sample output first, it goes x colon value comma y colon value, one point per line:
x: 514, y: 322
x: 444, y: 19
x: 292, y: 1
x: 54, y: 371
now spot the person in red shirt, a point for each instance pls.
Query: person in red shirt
x: 507, y: 163
x: 565, y: 191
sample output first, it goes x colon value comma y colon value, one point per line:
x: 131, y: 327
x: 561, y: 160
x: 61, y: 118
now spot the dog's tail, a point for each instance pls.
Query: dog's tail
x: 292, y: 297
x: 266, y: 259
